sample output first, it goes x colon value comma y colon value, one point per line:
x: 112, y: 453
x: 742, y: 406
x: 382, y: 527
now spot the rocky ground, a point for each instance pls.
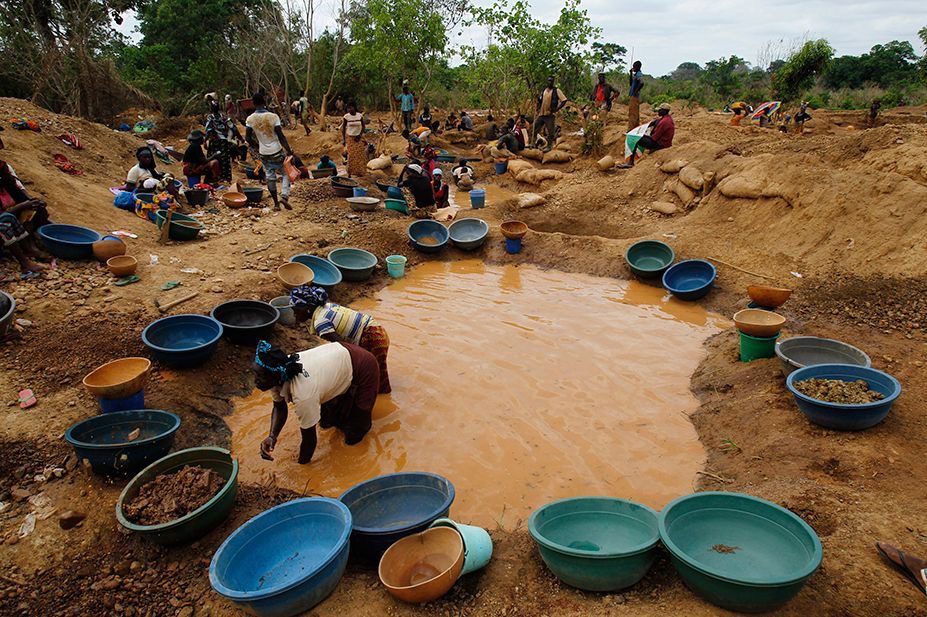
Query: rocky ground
x: 836, y: 214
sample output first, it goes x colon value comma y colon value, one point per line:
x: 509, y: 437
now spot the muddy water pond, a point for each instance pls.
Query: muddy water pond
x: 521, y: 386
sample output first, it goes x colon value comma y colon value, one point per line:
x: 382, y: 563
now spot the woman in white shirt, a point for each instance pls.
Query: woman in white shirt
x: 352, y: 131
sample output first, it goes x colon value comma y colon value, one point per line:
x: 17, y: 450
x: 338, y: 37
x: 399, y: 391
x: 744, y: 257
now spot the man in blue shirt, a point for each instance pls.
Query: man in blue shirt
x: 406, y: 105
x: 636, y: 82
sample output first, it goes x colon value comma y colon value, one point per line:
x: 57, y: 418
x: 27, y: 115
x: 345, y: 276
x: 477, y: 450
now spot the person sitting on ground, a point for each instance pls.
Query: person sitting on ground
x: 513, y: 139
x: 334, y: 384
x: 414, y: 178
x: 661, y: 135
x: 265, y: 136
x: 466, y: 122
x: 430, y: 162
x: 424, y: 118
x: 326, y: 162
x: 440, y: 189
x: 195, y: 162
x: 336, y: 323
x: 463, y: 174
x: 450, y: 123
x: 20, y: 217
x: 491, y: 131
x: 146, y: 169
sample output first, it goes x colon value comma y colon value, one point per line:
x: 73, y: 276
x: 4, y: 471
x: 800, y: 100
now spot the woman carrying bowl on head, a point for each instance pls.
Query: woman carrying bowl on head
x: 334, y: 384
x: 337, y: 323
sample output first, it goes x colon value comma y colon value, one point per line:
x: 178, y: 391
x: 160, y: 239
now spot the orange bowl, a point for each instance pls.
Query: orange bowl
x: 757, y: 322
x: 770, y: 297
x: 235, y: 200
x: 104, y: 249
x: 122, y: 265
x: 513, y: 230
x: 119, y: 378
x: 293, y: 274
x: 423, y: 567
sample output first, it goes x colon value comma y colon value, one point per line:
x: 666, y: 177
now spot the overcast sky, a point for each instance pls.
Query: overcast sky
x: 664, y: 34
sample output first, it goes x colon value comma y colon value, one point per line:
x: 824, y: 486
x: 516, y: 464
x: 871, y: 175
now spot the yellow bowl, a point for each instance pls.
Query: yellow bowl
x: 423, y: 567
x: 293, y: 274
x: 757, y: 322
x: 119, y: 378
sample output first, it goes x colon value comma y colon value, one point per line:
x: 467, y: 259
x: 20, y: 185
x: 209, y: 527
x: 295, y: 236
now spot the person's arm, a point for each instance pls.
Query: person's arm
x: 344, y: 131
x: 251, y: 138
x: 363, y: 124
x: 29, y: 204
x: 332, y: 337
x: 286, y: 145
x: 562, y: 99
x: 277, y: 419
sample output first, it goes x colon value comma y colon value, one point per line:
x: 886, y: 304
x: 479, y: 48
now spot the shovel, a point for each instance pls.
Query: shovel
x: 166, y: 228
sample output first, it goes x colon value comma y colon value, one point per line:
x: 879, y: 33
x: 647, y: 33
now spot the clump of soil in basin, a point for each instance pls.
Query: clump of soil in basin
x: 837, y: 391
x: 170, y: 496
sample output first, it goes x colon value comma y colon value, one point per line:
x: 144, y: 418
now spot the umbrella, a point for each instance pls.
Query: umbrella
x: 631, y: 139
x: 772, y: 106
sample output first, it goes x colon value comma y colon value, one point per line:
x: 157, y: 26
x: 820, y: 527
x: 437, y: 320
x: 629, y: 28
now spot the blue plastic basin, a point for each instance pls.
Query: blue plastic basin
x: 428, y: 236
x: 690, y: 279
x: 355, y: 264
x: 326, y: 273
x: 737, y: 551
x: 649, y: 258
x: 390, y: 507
x: 468, y: 234
x: 285, y: 560
x: 842, y: 416
x: 68, y: 241
x: 182, y: 341
x: 104, y: 439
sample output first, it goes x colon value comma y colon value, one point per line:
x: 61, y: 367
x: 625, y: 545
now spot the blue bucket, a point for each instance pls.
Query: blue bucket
x: 360, y: 191
x: 513, y: 245
x: 394, y: 192
x: 502, y: 167
x: 476, y: 541
x: 477, y: 198
x: 136, y: 401
x: 396, y: 266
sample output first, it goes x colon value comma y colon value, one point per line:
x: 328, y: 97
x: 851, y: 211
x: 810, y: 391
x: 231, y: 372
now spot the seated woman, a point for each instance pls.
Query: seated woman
x: 326, y: 163
x: 334, y: 384
x: 440, y: 188
x: 463, y: 175
x: 20, y: 217
x: 146, y: 169
x: 195, y: 162
x: 337, y: 323
x: 419, y: 184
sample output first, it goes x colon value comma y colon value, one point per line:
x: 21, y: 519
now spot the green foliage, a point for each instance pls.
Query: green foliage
x: 802, y: 67
x: 884, y: 66
x: 609, y: 57
x: 725, y: 76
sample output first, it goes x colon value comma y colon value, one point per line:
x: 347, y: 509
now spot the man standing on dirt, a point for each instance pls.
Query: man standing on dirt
x: 406, y: 105
x: 602, y: 95
x: 635, y: 82
x: 874, y: 112
x: 550, y: 101
x: 265, y: 136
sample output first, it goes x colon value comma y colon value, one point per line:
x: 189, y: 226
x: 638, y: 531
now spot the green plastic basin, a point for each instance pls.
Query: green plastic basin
x: 596, y: 543
x: 183, y: 227
x: 202, y: 520
x: 649, y: 258
x: 739, y: 552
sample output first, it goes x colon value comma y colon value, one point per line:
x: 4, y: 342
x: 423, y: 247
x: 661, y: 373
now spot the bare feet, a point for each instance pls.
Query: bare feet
x: 28, y: 265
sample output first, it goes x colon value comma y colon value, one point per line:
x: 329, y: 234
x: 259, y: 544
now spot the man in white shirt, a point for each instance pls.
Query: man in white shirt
x: 265, y: 135
x: 334, y: 384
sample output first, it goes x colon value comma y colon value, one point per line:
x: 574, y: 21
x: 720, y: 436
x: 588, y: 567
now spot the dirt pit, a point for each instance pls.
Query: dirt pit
x: 522, y: 386
x: 170, y: 496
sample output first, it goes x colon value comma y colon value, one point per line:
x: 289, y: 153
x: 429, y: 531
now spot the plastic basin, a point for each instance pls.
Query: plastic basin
x: 7, y: 309
x: 397, y: 205
x: 514, y: 230
x: 800, y: 351
x: 759, y: 322
x: 293, y: 274
x: 468, y: 234
x: 104, y: 439
x: 756, y: 347
x: 843, y: 416
x: 119, y: 378
x: 322, y: 173
x: 282, y: 304
x: 285, y: 560
x: 476, y: 542
x: 396, y: 266
x: 109, y: 246
x: 326, y: 273
x: 428, y: 236
x: 362, y: 203
x: 737, y: 551
x: 235, y: 200
x: 690, y: 279
x: 68, y: 241
x: 768, y: 297
x: 360, y: 191
x: 253, y: 194
x: 390, y: 507
x: 424, y: 566
x: 385, y: 186
x: 649, y: 258
x: 477, y: 198
x: 596, y: 543
x: 126, y: 403
x: 182, y: 341
x: 244, y: 322
x: 122, y: 265
x: 345, y: 182
x: 354, y: 264
x: 182, y: 228
x: 196, y: 197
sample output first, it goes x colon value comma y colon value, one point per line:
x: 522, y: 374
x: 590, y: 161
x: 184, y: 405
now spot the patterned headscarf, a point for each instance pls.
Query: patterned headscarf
x: 308, y: 296
x: 269, y: 358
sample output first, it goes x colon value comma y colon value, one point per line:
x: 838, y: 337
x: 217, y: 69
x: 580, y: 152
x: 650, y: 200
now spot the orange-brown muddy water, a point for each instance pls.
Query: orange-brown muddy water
x: 521, y: 386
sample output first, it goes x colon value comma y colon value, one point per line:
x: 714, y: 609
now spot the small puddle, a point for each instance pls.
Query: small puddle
x: 520, y: 385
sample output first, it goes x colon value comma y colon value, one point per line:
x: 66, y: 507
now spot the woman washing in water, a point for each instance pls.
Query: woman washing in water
x: 334, y: 384
x: 337, y: 323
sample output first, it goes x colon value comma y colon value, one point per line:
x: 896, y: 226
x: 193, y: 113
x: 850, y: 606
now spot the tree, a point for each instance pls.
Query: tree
x: 724, y: 75
x: 609, y: 56
x: 922, y: 63
x: 686, y: 71
x: 802, y: 67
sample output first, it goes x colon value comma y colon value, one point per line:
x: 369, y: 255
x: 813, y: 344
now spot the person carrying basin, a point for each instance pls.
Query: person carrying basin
x: 337, y: 323
x: 332, y: 385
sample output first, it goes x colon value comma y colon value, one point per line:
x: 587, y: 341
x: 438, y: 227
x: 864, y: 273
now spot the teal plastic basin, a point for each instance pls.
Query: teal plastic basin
x: 649, y: 258
x: 596, y: 543
x: 739, y: 552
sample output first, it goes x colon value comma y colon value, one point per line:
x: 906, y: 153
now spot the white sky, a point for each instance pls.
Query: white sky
x: 664, y: 34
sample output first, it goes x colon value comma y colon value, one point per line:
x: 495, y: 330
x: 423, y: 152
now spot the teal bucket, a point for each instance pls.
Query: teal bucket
x: 756, y: 347
x: 396, y: 266
x: 476, y: 541
x: 477, y: 198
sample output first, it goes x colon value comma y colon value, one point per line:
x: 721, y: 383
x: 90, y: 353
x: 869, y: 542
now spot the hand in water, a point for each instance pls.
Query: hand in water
x: 267, y: 446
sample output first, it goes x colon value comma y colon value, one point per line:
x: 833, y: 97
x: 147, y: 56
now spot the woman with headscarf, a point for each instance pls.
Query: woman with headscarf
x: 352, y: 132
x: 220, y: 133
x: 334, y: 384
x: 440, y: 188
x: 195, y: 162
x: 146, y: 169
x: 337, y: 323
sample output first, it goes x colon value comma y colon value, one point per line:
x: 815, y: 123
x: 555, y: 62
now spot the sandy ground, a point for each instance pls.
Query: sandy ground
x: 842, y: 207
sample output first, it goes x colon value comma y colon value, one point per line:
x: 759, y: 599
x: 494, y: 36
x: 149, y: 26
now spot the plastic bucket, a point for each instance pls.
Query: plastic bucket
x: 135, y: 401
x: 394, y: 192
x: 476, y: 541
x: 360, y: 191
x: 396, y: 266
x: 756, y: 347
x: 399, y: 205
x: 282, y: 304
x: 502, y: 167
x: 513, y: 245
x: 477, y: 198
